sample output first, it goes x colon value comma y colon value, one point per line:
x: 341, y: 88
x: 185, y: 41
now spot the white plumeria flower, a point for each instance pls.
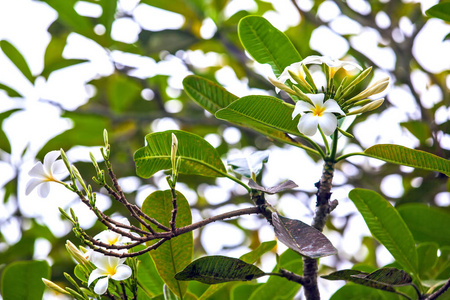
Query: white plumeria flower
x: 321, y: 114
x: 45, y: 173
x: 295, y: 68
x: 333, y: 64
x: 113, y: 238
x: 107, y: 267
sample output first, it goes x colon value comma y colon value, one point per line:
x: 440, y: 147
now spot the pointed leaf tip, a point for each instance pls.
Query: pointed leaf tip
x: 287, y: 185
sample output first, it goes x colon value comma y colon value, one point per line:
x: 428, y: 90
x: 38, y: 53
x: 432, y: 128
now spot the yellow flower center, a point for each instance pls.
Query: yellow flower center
x: 114, y: 241
x: 111, y: 271
x: 318, y: 111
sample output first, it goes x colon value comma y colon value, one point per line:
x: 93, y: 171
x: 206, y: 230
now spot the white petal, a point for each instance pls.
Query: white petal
x: 122, y: 272
x: 38, y: 171
x: 300, y: 107
x: 101, y: 286
x: 308, y: 124
x: 100, y: 260
x: 59, y: 167
x: 44, y: 189
x: 96, y: 274
x: 49, y: 160
x: 32, y: 184
x: 331, y: 106
x: 349, y: 65
x: 312, y: 59
x: 317, y: 99
x: 328, y: 123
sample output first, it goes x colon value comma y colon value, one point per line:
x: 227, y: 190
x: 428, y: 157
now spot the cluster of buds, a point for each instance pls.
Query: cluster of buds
x: 320, y: 109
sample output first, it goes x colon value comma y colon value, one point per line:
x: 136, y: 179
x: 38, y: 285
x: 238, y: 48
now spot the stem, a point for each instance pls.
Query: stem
x: 327, y: 147
x: 174, y: 210
x: 439, y: 292
x: 349, y: 155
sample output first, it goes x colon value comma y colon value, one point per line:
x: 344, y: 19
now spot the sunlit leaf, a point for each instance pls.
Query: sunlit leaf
x: 23, y: 280
x: 291, y: 261
x: 17, y: 59
x: 10, y: 91
x: 441, y: 11
x: 261, y: 111
x: 68, y: 16
x: 427, y: 224
x: 249, y: 258
x: 198, y: 157
x: 409, y: 157
x: 4, y: 142
x: 301, y: 237
x: 387, y: 226
x: 147, y: 275
x: 421, y: 130
x: 287, y: 185
x: 427, y: 254
x: 388, y: 276
x: 363, y: 292
x: 266, y: 44
x: 252, y: 163
x: 175, y: 254
x: 207, y: 94
x: 122, y: 91
x: 217, y: 269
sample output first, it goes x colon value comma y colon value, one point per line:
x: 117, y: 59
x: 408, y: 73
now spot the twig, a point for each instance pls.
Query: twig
x: 174, y: 210
x: 440, y: 291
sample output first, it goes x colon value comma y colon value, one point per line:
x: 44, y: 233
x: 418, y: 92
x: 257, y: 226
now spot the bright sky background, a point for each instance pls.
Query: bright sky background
x: 24, y: 24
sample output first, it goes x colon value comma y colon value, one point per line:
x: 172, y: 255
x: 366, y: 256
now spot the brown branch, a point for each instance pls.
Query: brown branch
x: 440, y: 291
x: 174, y: 210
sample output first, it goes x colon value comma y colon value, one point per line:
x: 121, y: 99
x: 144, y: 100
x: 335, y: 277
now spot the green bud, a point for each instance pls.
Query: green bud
x: 375, y: 88
x: 302, y: 95
x: 76, y: 253
x: 75, y: 294
x: 281, y: 86
x: 54, y: 286
x: 345, y: 133
x: 355, y: 81
x: 77, y: 175
x: 301, y: 82
x: 368, y: 107
x: 105, y: 137
x: 66, y: 161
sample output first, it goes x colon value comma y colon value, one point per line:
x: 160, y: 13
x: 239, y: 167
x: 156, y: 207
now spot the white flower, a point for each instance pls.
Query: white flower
x: 45, y: 173
x: 107, y: 267
x: 321, y: 114
x: 113, y: 238
x: 333, y: 64
x: 297, y: 68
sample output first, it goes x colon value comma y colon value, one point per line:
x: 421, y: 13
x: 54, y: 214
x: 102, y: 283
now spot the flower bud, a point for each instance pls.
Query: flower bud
x: 375, y: 88
x: 54, y: 286
x: 281, y: 86
x: 77, y: 175
x: 76, y: 253
x: 368, y: 107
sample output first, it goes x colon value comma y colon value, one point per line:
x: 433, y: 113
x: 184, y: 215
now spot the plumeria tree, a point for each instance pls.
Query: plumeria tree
x: 148, y: 253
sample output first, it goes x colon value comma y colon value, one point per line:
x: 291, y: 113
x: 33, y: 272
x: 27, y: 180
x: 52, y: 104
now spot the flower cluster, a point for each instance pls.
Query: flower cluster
x: 322, y: 109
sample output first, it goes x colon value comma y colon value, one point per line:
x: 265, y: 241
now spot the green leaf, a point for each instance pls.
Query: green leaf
x: 254, y: 255
x: 427, y: 224
x: 427, y: 253
x: 387, y: 226
x: 250, y: 164
x: 147, y: 274
x: 122, y: 91
x: 175, y: 254
x: 207, y: 94
x: 441, y: 11
x: 4, y: 142
x: 79, y: 272
x: 17, y: 59
x: 352, y: 291
x: 213, y: 97
x: 261, y: 112
x: 354, y: 276
x: 266, y: 44
x: 68, y: 16
x: 388, y: 276
x: 301, y: 237
x: 198, y: 157
x: 421, y: 130
x: 277, y: 287
x: 23, y: 280
x: 409, y: 157
x: 218, y: 269
x: 10, y: 91
x: 249, y: 258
